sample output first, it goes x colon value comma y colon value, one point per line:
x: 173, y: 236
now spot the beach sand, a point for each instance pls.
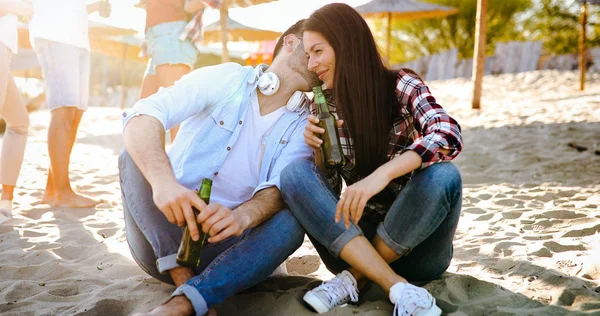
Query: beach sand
x: 528, y: 241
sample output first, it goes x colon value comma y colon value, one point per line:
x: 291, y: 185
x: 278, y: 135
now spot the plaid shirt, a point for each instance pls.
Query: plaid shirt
x: 420, y: 125
x: 194, y: 29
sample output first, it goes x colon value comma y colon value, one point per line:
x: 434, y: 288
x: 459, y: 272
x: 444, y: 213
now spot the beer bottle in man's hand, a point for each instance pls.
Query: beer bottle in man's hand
x: 189, y: 250
x: 331, y: 147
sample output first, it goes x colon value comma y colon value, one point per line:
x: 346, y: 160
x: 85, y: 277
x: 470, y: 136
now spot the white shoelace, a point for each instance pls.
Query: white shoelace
x: 336, y: 290
x: 415, y: 299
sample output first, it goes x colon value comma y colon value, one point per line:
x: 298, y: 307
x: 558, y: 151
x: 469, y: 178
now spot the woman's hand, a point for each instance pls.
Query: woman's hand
x: 312, y: 132
x: 353, y: 200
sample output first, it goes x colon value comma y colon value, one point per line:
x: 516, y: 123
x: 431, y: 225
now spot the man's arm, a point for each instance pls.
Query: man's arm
x: 144, y: 141
x: 220, y: 222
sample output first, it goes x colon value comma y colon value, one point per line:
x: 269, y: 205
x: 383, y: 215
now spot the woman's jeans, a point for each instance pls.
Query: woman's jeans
x: 419, y: 225
x: 226, y: 268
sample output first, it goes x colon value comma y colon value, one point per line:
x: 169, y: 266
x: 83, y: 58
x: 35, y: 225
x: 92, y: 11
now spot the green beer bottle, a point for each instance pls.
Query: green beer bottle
x: 189, y: 250
x: 331, y: 147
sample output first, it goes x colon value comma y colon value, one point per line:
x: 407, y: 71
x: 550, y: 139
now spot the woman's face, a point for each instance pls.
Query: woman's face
x: 321, y: 57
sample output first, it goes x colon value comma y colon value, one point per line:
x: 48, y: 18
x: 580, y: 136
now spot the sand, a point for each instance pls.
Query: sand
x: 528, y: 241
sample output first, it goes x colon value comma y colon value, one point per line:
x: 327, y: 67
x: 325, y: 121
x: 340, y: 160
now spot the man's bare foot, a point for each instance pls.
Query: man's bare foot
x: 73, y: 200
x: 47, y: 199
x: 176, y: 306
x: 212, y: 312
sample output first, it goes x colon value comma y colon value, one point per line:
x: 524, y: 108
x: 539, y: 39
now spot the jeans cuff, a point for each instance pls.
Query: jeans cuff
x: 396, y: 247
x: 194, y: 296
x: 338, y: 244
x: 167, y: 263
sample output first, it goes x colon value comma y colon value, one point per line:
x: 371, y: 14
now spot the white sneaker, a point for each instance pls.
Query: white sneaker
x: 335, y: 292
x: 5, y: 210
x: 412, y: 300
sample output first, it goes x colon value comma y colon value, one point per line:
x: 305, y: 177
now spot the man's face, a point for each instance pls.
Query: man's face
x: 299, y: 64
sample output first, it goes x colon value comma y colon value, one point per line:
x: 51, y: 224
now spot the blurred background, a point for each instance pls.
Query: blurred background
x: 436, y: 38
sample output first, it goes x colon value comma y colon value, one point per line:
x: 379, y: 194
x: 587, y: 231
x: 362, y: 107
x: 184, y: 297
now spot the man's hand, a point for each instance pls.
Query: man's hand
x: 176, y: 202
x: 220, y: 222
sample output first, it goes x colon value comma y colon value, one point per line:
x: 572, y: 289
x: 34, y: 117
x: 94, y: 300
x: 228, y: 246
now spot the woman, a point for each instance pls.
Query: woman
x: 12, y: 107
x: 395, y: 221
x: 170, y: 57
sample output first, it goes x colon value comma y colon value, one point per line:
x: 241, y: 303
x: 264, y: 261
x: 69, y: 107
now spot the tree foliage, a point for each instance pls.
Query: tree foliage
x: 557, y: 24
x: 413, y: 39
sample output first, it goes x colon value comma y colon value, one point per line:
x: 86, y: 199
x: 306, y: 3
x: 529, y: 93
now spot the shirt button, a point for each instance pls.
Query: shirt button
x: 240, y: 122
x: 125, y: 115
x: 216, y: 174
x: 221, y: 122
x: 228, y: 148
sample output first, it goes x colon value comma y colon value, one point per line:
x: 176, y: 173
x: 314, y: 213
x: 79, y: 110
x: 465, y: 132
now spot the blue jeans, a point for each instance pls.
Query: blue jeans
x: 226, y: 268
x: 419, y: 225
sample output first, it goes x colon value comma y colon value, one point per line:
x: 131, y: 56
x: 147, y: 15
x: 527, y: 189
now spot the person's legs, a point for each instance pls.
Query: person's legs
x: 226, y: 268
x: 66, y: 72
x: 172, y: 57
x: 149, y: 86
x: 12, y: 109
x: 154, y: 241
x: 15, y: 138
x: 249, y: 261
x: 436, y: 192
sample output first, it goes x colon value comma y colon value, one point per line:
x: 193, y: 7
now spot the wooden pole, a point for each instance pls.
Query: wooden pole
x: 479, y: 54
x: 124, y: 77
x: 582, y: 54
x: 389, y: 36
x: 223, y: 19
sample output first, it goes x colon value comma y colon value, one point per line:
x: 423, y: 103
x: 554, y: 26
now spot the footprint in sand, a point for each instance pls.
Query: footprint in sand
x: 582, y: 232
x: 556, y: 247
x: 473, y: 210
x: 562, y: 214
x: 484, y: 217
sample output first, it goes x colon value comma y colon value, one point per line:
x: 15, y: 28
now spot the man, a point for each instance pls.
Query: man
x: 59, y: 35
x: 239, y: 137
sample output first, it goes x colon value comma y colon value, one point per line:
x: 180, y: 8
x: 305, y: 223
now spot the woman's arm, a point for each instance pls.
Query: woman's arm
x: 192, y: 6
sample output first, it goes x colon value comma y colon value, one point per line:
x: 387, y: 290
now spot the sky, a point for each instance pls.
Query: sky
x: 276, y: 15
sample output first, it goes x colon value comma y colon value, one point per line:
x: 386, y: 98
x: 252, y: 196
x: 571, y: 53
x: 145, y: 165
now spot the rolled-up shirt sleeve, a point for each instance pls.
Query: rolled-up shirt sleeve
x: 437, y: 129
x: 189, y: 96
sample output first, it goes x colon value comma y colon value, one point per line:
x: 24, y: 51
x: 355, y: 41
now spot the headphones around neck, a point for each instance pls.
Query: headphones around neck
x: 268, y: 84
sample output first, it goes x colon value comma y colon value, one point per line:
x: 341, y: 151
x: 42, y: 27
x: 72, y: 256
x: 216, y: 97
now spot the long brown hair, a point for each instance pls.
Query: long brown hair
x: 364, y: 87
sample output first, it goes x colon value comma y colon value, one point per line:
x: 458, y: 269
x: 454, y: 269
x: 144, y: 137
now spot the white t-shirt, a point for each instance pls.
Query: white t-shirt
x: 8, y: 32
x: 239, y: 174
x: 62, y: 21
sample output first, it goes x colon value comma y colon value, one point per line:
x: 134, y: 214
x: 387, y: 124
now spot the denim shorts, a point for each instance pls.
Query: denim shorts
x: 165, y: 47
x: 66, y: 71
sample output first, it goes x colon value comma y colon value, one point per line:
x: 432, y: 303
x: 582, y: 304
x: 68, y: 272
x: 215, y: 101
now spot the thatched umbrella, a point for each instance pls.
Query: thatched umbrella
x: 224, y: 11
x: 402, y: 10
x: 237, y: 32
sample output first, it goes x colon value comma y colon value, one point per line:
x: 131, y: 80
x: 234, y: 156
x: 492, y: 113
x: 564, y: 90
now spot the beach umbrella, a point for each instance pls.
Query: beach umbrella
x: 238, y: 32
x: 224, y: 19
x: 402, y: 10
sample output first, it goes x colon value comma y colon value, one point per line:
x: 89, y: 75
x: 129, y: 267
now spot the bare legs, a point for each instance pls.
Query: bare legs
x: 371, y: 261
x: 61, y: 138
